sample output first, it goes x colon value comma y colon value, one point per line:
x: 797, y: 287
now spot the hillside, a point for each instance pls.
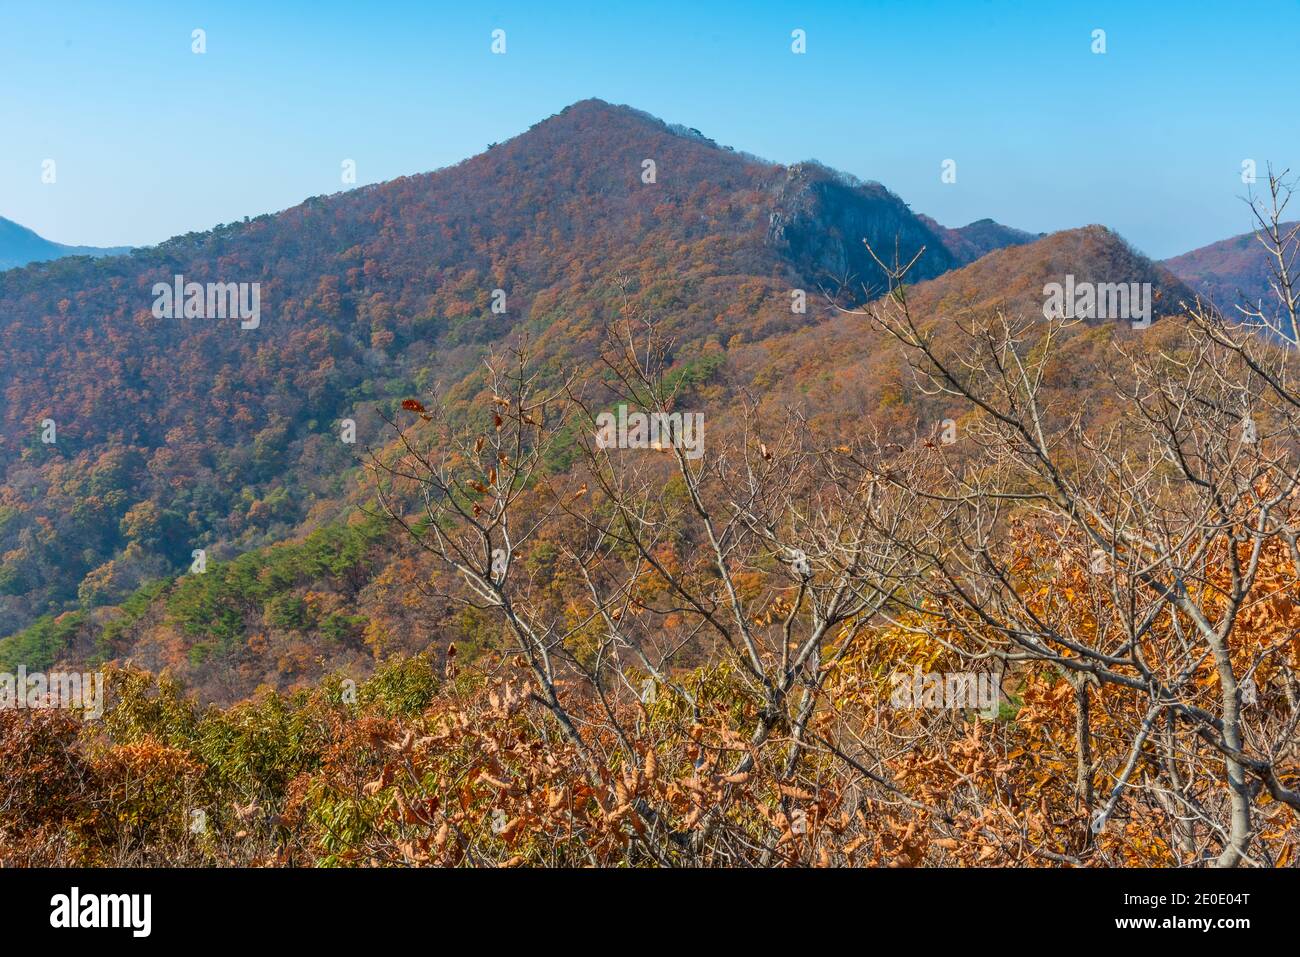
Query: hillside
x: 20, y: 246
x: 469, y: 752
x: 1012, y: 278
x: 182, y: 434
x: 179, y: 434
x: 1231, y: 271
x: 847, y: 365
x: 340, y: 598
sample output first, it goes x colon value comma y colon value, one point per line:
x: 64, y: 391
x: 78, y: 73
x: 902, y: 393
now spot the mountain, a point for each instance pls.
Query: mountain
x: 1012, y: 278
x: 279, y: 615
x: 131, y: 440
x: 1231, y: 271
x: 845, y: 365
x: 968, y: 243
x: 226, y: 437
x: 20, y: 246
x: 823, y: 222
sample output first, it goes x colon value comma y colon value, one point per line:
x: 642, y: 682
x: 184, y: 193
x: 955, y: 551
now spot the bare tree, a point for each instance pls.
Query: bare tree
x: 760, y: 544
x: 1127, y: 552
x: 1281, y: 244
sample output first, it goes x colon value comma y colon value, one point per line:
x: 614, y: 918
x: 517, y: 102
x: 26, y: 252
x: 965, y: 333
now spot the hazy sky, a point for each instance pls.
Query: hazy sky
x: 151, y: 140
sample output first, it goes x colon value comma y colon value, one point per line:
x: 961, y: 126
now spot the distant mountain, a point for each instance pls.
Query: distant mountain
x: 20, y: 246
x: 968, y: 243
x: 1230, y: 272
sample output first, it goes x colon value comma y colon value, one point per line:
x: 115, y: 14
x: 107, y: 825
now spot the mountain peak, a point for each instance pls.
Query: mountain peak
x: 597, y: 115
x: 595, y: 106
x: 1013, y: 277
x: 968, y: 243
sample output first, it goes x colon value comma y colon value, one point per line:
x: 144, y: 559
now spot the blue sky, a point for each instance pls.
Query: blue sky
x: 152, y: 140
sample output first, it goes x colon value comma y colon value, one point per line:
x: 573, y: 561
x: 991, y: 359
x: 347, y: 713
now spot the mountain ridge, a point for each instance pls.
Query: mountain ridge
x: 182, y: 434
x: 1232, y: 271
x: 20, y: 246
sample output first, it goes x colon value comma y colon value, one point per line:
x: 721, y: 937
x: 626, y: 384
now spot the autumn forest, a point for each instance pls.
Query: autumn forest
x: 419, y: 571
